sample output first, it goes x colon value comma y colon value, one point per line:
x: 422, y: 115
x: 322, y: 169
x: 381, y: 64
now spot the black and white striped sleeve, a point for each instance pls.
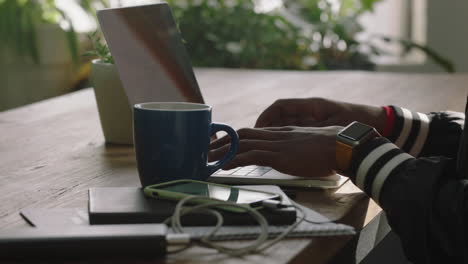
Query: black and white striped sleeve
x: 425, y: 202
x: 374, y: 163
x: 432, y: 134
x: 412, y: 176
x: 410, y: 130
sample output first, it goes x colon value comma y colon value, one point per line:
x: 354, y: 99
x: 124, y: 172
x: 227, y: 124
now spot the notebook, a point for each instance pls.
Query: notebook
x: 128, y: 205
x: 317, y: 225
x: 66, y: 244
x: 303, y: 230
x: 72, y: 216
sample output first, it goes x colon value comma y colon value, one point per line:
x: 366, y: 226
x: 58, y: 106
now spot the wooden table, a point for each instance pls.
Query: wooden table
x: 53, y: 151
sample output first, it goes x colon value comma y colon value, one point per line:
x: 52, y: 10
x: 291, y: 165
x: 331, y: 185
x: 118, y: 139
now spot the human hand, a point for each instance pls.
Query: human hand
x: 319, y: 112
x: 298, y: 151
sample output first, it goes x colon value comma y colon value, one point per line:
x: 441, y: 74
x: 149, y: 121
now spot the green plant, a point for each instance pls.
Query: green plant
x: 334, y: 30
x: 321, y: 35
x: 408, y: 46
x: 19, y: 20
x: 231, y: 34
x: 101, y: 50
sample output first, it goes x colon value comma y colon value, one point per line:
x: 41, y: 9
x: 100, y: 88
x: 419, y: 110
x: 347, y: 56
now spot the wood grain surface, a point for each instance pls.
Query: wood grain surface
x: 53, y: 151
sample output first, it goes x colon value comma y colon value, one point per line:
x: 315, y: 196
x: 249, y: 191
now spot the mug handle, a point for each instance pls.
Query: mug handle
x: 216, y: 165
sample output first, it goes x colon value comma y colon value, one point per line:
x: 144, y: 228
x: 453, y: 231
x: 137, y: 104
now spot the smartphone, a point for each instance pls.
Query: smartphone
x: 179, y: 189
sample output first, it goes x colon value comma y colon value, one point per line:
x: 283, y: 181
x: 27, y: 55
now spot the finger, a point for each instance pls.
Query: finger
x: 248, y: 133
x: 285, y: 121
x: 324, y: 123
x: 245, y: 145
x: 307, y: 122
x: 253, y: 157
x: 258, y: 133
x: 280, y: 129
x: 220, y: 142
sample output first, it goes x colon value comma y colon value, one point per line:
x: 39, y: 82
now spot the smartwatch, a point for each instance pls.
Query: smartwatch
x: 348, y: 141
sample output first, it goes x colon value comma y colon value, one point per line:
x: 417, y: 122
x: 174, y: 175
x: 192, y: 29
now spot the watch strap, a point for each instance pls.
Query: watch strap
x: 344, y: 154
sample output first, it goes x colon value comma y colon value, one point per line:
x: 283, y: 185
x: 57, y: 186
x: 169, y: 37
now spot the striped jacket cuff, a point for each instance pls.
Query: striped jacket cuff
x: 410, y: 130
x: 374, y: 162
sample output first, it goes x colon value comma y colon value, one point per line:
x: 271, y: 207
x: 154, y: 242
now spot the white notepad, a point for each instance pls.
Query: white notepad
x: 322, y: 227
x: 304, y: 229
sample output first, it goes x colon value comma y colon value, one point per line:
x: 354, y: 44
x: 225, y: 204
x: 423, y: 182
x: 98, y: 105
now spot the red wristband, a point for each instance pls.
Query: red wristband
x: 390, y: 114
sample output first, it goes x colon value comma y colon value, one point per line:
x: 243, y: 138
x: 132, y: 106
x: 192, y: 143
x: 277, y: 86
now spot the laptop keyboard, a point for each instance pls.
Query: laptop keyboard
x: 252, y: 171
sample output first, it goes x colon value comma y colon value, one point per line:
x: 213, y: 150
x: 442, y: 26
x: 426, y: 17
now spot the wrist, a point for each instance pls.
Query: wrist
x: 378, y: 118
x: 374, y: 116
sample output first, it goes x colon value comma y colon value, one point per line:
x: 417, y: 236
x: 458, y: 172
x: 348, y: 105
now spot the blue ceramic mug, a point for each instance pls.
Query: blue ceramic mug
x: 172, y: 139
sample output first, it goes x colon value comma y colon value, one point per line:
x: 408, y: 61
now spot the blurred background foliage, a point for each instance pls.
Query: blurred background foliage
x: 332, y: 27
x: 20, y: 19
x: 296, y: 34
x: 269, y: 34
x: 224, y: 33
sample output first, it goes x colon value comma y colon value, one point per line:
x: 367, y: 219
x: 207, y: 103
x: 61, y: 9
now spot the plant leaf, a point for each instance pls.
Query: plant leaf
x: 408, y: 45
x: 71, y: 36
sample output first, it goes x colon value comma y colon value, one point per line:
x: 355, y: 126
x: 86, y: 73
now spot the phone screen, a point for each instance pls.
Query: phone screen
x: 230, y: 194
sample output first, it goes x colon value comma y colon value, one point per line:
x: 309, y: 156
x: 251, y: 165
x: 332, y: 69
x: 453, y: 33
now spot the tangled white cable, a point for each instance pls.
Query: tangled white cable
x: 256, y: 246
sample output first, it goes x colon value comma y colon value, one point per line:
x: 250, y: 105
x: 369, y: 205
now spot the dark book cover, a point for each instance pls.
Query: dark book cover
x: 128, y: 205
x: 81, y: 242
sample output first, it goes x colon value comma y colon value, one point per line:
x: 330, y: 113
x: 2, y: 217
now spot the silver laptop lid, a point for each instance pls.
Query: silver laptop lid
x: 149, y: 54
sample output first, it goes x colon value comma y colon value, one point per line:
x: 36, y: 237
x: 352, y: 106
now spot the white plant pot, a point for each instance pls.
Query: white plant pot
x: 115, y: 112
x: 23, y: 82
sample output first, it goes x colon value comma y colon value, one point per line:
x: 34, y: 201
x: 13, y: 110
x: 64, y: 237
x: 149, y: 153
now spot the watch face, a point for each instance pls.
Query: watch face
x: 356, y: 131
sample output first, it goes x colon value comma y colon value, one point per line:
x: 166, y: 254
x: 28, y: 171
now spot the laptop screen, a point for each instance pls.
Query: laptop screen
x: 149, y: 53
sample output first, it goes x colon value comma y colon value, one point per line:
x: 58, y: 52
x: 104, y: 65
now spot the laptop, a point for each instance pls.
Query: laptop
x: 154, y: 65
